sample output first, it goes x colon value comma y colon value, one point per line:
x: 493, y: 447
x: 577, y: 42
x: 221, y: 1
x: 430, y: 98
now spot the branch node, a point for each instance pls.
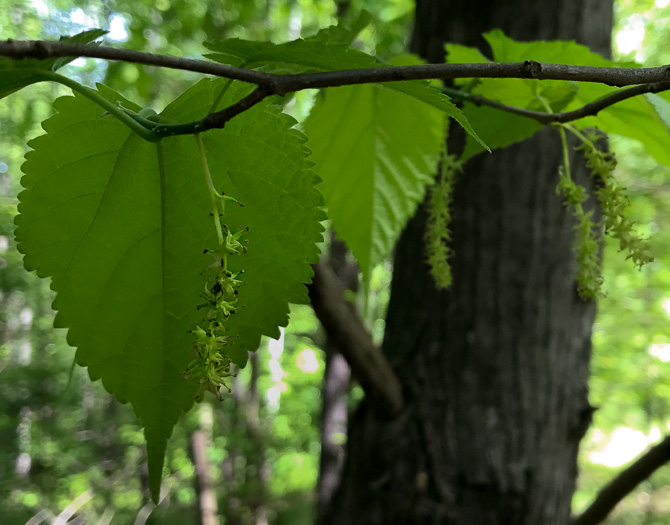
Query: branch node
x: 533, y: 68
x: 41, y: 50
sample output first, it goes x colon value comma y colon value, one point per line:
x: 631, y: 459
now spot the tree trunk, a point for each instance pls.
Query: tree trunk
x: 336, y: 377
x: 207, y: 504
x: 494, y: 370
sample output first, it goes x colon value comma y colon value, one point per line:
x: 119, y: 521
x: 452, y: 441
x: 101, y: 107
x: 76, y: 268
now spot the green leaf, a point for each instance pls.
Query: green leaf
x: 460, y: 54
x: 313, y: 56
x: 17, y: 74
x: 506, y: 49
x: 347, y: 29
x: 497, y: 129
x: 376, y: 150
x: 661, y: 106
x: 121, y: 224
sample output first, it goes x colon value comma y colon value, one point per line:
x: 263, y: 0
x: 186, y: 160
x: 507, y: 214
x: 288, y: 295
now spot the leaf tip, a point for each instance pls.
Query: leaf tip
x: 155, y: 459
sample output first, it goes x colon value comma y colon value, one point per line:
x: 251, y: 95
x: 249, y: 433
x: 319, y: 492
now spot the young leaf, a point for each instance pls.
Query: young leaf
x: 347, y: 29
x: 662, y: 107
x: 376, y: 150
x: 17, y: 74
x: 635, y: 118
x: 121, y: 225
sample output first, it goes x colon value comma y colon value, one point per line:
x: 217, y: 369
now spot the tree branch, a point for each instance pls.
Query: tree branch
x: 282, y: 84
x: 624, y: 483
x: 368, y: 365
x: 43, y: 49
x: 587, y: 110
x: 653, y: 80
x: 215, y: 120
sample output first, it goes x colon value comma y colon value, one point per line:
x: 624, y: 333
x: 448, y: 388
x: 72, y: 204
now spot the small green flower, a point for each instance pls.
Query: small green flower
x: 613, y: 201
x: 212, y: 365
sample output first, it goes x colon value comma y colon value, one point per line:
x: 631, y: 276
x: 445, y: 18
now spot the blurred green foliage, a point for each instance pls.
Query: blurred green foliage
x: 63, y: 436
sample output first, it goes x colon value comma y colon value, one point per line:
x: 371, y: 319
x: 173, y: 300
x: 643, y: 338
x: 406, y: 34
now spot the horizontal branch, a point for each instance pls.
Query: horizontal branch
x: 587, y: 110
x: 624, y: 483
x: 650, y: 80
x: 344, y: 327
x: 43, y: 49
x: 282, y: 84
x: 612, y: 76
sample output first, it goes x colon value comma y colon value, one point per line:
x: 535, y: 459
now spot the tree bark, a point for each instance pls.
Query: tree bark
x: 494, y: 370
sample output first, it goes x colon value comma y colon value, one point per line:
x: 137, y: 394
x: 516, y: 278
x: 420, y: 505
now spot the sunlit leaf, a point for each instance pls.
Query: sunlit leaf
x: 123, y: 239
x: 376, y: 150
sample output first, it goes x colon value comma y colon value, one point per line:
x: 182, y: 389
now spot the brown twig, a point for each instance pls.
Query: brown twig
x: 653, y: 80
x: 587, y: 110
x: 282, y: 84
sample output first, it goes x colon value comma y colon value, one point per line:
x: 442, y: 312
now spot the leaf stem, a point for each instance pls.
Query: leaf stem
x: 566, y: 156
x: 576, y: 133
x: 112, y: 108
x: 213, y: 194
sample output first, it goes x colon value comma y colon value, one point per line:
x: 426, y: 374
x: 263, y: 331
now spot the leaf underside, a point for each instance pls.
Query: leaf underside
x: 123, y: 241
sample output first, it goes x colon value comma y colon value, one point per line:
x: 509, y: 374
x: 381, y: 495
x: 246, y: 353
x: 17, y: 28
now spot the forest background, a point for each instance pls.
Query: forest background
x: 69, y: 449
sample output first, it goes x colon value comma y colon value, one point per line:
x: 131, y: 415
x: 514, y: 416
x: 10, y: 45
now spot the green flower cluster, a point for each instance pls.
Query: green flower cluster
x: 614, y: 201
x: 589, y: 277
x: 212, y: 365
x: 437, y: 235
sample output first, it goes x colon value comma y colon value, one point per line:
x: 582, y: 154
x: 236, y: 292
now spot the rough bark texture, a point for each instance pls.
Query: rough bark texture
x: 495, y: 370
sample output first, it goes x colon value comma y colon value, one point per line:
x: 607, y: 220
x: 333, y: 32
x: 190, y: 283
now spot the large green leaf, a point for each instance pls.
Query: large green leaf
x: 635, y: 118
x: 313, y: 56
x: 17, y: 74
x: 376, y: 151
x: 121, y: 225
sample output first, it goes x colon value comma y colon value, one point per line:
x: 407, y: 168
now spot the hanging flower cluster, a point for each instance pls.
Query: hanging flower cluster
x: 212, y: 365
